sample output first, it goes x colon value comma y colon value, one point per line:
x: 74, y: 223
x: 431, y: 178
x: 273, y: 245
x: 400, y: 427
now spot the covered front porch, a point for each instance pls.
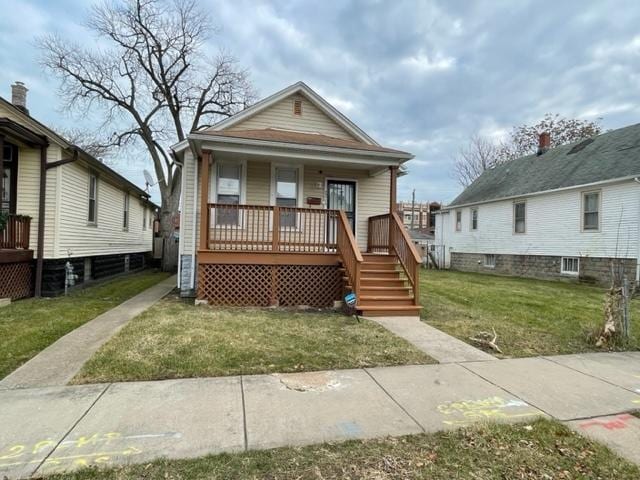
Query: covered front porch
x: 283, y: 227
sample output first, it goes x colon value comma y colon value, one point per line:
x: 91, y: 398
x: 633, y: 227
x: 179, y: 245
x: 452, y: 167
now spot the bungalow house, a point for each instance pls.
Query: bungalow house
x: 568, y: 212
x: 290, y: 203
x: 61, y: 204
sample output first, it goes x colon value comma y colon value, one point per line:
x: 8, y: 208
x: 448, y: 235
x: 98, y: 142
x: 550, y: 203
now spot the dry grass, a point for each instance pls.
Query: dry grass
x: 531, y: 317
x: 543, y: 450
x: 175, y: 340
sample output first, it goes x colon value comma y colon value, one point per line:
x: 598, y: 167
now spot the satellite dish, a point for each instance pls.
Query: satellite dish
x: 148, y: 178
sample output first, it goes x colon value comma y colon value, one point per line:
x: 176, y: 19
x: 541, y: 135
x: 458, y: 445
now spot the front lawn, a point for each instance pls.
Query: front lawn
x: 175, y: 339
x: 531, y: 317
x: 29, y: 326
x: 543, y: 449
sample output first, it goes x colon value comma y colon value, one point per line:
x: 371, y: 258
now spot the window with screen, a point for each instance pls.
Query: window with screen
x: 591, y: 211
x: 458, y: 220
x: 125, y: 213
x: 519, y: 217
x: 287, y: 194
x: 228, y: 192
x: 92, y: 216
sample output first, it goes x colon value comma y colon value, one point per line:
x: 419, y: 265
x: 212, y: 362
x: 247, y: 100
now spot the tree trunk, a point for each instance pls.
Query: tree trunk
x: 168, y: 212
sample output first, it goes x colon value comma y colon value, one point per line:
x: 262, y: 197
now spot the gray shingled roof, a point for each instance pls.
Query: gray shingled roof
x: 614, y: 154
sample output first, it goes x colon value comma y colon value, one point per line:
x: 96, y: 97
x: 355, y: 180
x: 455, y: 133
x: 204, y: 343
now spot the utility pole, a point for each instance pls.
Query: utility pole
x: 413, y: 207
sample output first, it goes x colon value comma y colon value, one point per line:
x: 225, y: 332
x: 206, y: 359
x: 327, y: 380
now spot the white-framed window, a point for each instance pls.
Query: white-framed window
x: 92, y: 216
x: 474, y: 219
x: 570, y: 266
x: 490, y: 260
x: 228, y: 190
x: 144, y: 217
x: 286, y: 191
x: 591, y: 211
x: 458, y: 221
x: 125, y: 212
x: 519, y: 217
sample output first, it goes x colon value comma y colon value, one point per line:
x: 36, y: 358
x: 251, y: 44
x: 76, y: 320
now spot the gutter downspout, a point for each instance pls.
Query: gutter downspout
x: 41, y: 209
x: 637, y: 180
x: 195, y: 219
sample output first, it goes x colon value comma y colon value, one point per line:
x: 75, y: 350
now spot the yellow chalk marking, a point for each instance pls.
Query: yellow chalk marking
x: 15, y: 451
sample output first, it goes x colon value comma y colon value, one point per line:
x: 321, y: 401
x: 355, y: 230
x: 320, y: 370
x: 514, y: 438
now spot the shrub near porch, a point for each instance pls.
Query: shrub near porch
x: 175, y: 339
x: 531, y: 317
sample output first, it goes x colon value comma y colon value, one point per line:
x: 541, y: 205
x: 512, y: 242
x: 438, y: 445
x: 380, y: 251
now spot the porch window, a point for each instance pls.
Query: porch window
x: 519, y: 217
x: 591, y: 211
x: 228, y: 176
x: 125, y: 212
x: 287, y: 182
x: 93, y: 199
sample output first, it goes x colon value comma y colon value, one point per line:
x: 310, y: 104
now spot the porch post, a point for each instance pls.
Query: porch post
x: 41, y: 210
x: 392, y: 201
x: 1, y: 165
x: 204, y: 200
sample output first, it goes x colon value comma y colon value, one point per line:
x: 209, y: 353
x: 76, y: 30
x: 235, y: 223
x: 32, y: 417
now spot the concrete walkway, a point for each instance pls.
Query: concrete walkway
x: 56, y: 429
x: 438, y: 345
x: 58, y: 363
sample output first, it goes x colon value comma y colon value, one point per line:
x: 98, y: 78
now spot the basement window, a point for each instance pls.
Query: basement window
x: 570, y: 266
x: 490, y: 260
x: 297, y: 107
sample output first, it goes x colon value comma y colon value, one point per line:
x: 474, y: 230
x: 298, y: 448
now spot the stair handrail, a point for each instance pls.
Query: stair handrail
x: 349, y: 252
x: 407, y: 254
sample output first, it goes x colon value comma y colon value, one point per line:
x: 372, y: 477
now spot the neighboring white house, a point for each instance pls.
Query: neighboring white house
x: 569, y: 212
x: 60, y: 203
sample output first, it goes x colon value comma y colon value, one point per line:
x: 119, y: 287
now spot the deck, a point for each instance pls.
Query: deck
x: 15, y: 258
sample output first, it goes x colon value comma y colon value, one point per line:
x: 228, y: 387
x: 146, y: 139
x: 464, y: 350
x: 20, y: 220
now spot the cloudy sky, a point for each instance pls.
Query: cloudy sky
x: 420, y: 76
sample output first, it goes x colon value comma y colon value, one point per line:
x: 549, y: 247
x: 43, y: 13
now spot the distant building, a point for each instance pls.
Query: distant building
x: 419, y: 216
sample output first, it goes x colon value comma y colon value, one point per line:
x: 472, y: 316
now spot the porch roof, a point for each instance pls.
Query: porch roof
x: 12, y: 129
x: 302, y: 138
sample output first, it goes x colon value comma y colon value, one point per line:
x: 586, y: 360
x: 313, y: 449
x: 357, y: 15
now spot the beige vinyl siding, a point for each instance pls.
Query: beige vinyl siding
x: 372, y: 194
x: 28, y: 193
x: 280, y: 115
x: 77, y: 238
x: 186, y: 209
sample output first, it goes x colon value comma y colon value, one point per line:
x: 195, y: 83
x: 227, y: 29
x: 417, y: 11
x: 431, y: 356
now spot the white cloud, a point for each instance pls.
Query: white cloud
x: 424, y: 63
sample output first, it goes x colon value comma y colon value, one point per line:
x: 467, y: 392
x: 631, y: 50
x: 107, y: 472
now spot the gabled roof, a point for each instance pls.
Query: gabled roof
x: 289, y: 136
x: 609, y: 156
x: 38, y: 128
x: 309, y: 93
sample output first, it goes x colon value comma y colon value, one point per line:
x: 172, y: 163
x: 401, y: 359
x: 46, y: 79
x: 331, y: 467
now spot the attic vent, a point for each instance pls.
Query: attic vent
x: 297, y: 107
x: 580, y: 146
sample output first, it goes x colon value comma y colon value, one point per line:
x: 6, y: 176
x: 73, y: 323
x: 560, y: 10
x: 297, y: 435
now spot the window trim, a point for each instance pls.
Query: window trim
x: 455, y: 221
x: 513, y: 214
x: 94, y: 222
x: 488, y: 264
x: 126, y: 212
x: 583, y: 194
x: 273, y: 190
x: 213, y: 187
x: 471, y: 212
x: 569, y: 272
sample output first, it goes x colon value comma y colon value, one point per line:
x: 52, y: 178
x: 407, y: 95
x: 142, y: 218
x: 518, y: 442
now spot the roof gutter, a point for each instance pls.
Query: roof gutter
x: 543, y: 192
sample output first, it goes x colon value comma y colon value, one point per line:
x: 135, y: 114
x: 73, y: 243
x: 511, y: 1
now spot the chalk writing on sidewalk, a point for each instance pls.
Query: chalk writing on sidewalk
x: 492, y: 408
x: 618, y: 422
x: 81, y: 451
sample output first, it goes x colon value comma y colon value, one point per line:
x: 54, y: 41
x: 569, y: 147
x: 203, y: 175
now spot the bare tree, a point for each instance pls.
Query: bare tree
x: 88, y: 141
x: 479, y: 155
x: 152, y: 81
x: 482, y: 153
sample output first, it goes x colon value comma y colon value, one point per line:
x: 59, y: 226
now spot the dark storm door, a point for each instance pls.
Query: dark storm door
x: 341, y: 195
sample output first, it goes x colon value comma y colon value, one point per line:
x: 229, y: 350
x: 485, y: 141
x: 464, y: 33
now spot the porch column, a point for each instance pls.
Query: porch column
x: 37, y: 291
x: 204, y: 200
x: 392, y: 201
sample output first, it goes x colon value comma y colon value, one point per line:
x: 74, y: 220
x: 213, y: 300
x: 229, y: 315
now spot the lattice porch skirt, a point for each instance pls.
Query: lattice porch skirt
x: 264, y: 285
x: 15, y: 280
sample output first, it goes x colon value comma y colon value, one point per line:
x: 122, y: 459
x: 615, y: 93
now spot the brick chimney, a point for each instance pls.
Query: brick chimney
x: 19, y: 96
x: 544, y: 142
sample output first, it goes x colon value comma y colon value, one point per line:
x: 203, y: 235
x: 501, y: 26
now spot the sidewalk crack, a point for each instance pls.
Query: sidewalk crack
x: 244, y: 415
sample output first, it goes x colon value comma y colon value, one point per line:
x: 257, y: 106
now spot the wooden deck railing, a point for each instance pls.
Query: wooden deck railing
x: 15, y: 234
x: 378, y: 234
x: 271, y: 228
x: 349, y: 252
x: 403, y: 247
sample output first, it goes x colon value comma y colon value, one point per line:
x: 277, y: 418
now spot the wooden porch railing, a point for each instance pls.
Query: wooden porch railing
x: 380, y: 227
x: 15, y: 234
x: 378, y: 234
x: 349, y: 252
x: 265, y: 228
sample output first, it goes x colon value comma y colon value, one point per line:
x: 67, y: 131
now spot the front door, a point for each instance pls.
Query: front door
x: 341, y: 195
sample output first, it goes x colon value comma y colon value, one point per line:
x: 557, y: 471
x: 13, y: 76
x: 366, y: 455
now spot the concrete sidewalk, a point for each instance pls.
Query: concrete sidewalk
x: 56, y: 429
x: 438, y: 345
x: 59, y: 362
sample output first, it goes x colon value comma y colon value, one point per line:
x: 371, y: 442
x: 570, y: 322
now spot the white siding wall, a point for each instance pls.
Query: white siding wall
x: 281, y: 115
x: 553, y: 225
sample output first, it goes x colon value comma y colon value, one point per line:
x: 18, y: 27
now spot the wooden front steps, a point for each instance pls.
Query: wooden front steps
x: 384, y: 291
